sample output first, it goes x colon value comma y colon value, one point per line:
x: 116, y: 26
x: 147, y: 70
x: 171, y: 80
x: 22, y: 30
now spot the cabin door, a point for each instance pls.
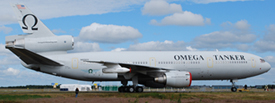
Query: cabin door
x: 152, y: 61
x: 253, y: 62
x: 74, y: 63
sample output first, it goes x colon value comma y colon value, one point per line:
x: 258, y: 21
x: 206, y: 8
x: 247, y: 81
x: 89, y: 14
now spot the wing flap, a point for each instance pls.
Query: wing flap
x: 134, y: 67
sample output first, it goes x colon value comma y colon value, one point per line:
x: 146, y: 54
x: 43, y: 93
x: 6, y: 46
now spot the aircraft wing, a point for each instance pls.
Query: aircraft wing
x: 133, y: 67
x: 32, y: 58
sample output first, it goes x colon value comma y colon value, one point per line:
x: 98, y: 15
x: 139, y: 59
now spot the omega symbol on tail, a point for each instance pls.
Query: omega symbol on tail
x: 35, y: 22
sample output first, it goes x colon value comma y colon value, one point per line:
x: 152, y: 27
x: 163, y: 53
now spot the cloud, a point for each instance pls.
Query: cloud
x: 239, y: 26
x: 264, y: 46
x: 225, y: 37
x: 10, y: 71
x: 9, y: 60
x: 160, y: 7
x: 243, y: 47
x: 207, y: 21
x: 185, y: 18
x: 3, y: 50
x: 270, y: 33
x: 242, y: 25
x: 178, y: 17
x: 7, y: 57
x: 234, y: 37
x: 62, y: 8
x: 159, y: 46
x: 213, y: 1
x: 7, y: 18
x: 109, y: 33
x: 118, y: 49
x: 30, y: 77
x: 85, y: 47
x: 190, y: 48
x: 6, y: 30
x: 57, y: 31
x: 270, y: 60
x: 268, y: 41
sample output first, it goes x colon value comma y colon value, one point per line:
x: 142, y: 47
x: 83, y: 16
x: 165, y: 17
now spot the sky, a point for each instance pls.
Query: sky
x: 145, y: 25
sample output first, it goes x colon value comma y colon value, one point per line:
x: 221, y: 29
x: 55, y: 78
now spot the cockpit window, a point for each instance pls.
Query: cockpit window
x: 262, y: 60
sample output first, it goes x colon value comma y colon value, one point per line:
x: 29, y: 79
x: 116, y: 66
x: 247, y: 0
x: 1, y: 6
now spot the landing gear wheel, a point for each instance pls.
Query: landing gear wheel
x: 139, y: 89
x: 233, y: 89
x: 125, y: 89
x: 120, y: 89
x: 131, y: 89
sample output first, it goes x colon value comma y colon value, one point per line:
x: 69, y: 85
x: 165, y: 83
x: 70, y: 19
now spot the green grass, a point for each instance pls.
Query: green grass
x: 20, y: 97
x: 202, y: 95
x: 153, y: 95
x: 173, y: 97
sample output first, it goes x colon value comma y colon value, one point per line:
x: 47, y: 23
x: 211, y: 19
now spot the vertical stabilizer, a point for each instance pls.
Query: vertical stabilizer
x: 30, y: 23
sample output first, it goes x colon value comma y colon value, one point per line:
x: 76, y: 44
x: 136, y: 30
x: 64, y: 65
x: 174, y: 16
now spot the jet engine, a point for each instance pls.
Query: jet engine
x: 175, y: 79
x: 44, y: 44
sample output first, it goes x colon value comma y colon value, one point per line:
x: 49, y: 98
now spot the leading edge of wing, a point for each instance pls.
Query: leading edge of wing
x: 32, y: 58
x: 133, y: 67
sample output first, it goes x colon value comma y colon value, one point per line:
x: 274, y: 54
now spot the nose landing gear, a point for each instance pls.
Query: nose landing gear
x: 233, y: 88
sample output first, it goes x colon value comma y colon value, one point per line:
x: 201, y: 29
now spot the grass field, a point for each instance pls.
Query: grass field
x: 150, y: 97
x: 20, y: 97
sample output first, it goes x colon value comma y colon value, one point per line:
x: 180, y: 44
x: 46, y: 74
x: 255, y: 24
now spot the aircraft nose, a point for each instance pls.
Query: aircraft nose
x: 267, y: 67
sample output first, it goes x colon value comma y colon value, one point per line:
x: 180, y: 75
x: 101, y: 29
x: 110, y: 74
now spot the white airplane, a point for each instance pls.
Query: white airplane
x: 43, y: 51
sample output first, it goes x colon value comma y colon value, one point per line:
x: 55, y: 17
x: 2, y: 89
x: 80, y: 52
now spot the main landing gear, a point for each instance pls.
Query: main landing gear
x: 233, y: 89
x: 130, y: 89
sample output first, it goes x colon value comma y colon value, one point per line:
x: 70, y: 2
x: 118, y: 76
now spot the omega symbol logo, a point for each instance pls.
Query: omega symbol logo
x: 24, y: 22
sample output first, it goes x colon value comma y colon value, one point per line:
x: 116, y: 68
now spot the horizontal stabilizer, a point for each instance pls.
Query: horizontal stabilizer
x: 32, y: 58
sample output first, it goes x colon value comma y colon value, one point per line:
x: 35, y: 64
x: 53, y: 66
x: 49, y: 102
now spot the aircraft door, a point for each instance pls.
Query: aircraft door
x: 253, y: 62
x: 152, y: 61
x: 74, y: 63
x: 210, y: 62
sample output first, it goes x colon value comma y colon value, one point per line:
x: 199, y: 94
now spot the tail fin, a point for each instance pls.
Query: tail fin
x: 30, y: 23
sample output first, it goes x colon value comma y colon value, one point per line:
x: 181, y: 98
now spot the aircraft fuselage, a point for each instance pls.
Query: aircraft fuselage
x: 202, y: 65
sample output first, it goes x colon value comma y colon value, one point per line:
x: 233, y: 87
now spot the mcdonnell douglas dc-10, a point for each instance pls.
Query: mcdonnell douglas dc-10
x: 43, y: 51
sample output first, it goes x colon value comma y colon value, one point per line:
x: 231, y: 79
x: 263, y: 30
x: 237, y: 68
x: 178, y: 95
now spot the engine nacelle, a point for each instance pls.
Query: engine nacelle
x: 115, y: 70
x: 45, y: 44
x: 176, y: 79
